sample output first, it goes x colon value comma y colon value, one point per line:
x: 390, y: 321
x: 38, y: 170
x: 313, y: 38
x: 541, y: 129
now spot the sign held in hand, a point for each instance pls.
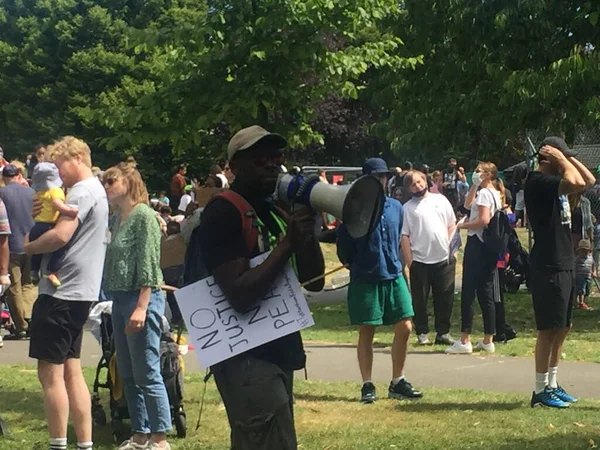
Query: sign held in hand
x: 218, y: 332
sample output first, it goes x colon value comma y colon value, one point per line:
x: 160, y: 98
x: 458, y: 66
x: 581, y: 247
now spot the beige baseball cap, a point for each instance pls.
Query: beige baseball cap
x: 247, y: 137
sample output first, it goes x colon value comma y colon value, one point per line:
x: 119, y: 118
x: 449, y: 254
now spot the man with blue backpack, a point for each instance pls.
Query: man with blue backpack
x: 236, y: 226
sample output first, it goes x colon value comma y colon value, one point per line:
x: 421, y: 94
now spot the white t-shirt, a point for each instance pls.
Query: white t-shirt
x: 224, y: 180
x: 426, y: 222
x: 520, y: 204
x: 485, y: 197
x: 186, y: 199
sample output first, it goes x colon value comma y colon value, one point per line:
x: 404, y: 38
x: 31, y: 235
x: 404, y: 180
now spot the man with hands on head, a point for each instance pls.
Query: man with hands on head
x: 257, y: 385
x: 552, y: 260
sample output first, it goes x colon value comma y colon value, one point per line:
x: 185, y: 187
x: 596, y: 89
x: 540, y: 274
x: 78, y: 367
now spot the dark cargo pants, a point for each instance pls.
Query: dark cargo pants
x: 258, y: 398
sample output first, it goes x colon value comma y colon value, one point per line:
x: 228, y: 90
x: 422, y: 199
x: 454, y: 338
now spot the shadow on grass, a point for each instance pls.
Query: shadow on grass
x: 424, y: 407
x: 26, y: 408
x: 554, y: 441
x: 326, y: 398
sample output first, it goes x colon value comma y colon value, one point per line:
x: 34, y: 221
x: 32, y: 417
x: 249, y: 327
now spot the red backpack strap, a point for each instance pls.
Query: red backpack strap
x: 247, y: 213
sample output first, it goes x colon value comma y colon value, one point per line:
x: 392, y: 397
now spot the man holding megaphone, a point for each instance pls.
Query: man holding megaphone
x: 378, y: 293
x: 256, y: 386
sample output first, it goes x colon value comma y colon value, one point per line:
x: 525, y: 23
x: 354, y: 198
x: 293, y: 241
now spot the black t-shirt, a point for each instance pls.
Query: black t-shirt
x: 222, y: 240
x: 550, y: 218
x: 519, y: 176
x: 577, y: 222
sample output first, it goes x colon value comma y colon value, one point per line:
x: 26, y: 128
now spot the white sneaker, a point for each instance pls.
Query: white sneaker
x: 423, y: 339
x: 458, y: 348
x: 490, y: 348
x: 130, y: 445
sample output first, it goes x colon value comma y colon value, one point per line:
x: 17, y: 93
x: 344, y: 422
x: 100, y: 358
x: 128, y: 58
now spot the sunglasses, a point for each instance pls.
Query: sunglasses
x: 264, y: 157
x: 110, y: 181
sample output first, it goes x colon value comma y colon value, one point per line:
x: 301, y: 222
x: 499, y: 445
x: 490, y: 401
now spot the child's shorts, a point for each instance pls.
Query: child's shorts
x: 582, y: 285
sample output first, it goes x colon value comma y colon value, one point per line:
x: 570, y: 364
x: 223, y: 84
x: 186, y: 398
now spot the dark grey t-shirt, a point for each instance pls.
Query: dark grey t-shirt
x: 18, y: 201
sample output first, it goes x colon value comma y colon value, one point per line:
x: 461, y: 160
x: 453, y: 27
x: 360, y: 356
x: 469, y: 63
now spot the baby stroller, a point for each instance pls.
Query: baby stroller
x: 517, y: 270
x: 171, y: 370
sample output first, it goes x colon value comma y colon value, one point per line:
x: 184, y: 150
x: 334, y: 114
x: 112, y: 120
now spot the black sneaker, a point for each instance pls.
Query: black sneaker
x: 403, y: 390
x: 367, y: 393
x: 20, y: 336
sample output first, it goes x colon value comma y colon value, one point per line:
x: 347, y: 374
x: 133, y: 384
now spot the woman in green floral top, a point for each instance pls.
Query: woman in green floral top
x: 133, y: 280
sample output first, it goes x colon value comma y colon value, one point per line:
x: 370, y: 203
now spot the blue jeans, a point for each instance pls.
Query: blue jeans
x: 138, y: 361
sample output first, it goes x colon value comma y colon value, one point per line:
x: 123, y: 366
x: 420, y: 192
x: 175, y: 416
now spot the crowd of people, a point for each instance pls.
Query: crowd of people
x: 78, y: 234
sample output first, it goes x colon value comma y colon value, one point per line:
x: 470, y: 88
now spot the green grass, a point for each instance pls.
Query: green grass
x: 583, y: 344
x: 329, y: 417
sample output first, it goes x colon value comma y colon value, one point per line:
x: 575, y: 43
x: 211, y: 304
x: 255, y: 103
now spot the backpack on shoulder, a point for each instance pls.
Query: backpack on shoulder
x: 194, y: 267
x: 497, y: 234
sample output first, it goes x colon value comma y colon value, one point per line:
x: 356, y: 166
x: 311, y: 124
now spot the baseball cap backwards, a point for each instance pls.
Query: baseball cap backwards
x: 374, y: 166
x: 247, y: 137
x: 10, y: 170
x: 559, y: 144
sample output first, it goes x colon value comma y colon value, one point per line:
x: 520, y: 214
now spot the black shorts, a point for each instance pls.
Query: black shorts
x: 552, y: 293
x: 56, y: 329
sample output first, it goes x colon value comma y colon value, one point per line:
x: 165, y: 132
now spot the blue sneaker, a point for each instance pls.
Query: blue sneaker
x: 367, y: 393
x: 547, y: 398
x: 562, y: 394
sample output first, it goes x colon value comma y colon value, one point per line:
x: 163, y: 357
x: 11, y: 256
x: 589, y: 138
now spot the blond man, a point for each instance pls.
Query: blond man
x: 60, y: 312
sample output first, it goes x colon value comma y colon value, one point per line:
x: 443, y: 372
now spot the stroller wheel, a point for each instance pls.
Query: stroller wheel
x: 180, y: 423
x: 99, y: 416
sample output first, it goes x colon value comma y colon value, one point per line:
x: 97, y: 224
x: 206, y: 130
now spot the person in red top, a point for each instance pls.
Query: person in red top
x: 178, y: 184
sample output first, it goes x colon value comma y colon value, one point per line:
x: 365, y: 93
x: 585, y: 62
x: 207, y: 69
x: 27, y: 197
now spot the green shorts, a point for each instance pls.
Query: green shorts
x: 380, y: 302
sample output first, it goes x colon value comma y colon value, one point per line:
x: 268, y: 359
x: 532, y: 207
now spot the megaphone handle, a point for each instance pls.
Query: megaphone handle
x: 317, y: 278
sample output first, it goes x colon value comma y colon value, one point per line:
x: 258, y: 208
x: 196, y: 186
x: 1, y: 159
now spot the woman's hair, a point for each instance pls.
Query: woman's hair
x: 490, y: 168
x: 69, y: 147
x: 499, y: 185
x: 436, y: 175
x: 136, y: 189
x: 410, y: 176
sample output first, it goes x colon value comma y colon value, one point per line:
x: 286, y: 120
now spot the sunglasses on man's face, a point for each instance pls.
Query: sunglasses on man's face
x: 265, y: 157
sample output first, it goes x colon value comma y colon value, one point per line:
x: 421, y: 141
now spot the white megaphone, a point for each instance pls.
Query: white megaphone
x: 359, y: 205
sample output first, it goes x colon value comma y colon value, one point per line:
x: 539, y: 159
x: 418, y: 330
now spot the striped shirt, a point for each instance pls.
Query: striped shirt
x: 4, y: 225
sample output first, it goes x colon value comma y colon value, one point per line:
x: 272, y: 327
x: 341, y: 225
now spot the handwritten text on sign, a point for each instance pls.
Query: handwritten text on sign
x: 218, y: 332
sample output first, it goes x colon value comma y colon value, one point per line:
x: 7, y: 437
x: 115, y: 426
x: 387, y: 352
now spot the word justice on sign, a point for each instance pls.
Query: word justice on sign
x: 219, y: 332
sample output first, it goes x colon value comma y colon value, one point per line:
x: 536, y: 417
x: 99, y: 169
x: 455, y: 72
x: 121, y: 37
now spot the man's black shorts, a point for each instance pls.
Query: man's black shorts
x: 56, y: 329
x: 552, y: 293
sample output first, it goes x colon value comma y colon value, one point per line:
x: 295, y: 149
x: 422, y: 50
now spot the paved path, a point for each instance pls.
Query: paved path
x: 337, y: 362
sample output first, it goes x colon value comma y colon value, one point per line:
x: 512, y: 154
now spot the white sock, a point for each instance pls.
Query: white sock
x: 367, y: 381
x: 58, y: 443
x: 397, y: 380
x: 552, y: 371
x: 541, y: 381
x: 85, y: 445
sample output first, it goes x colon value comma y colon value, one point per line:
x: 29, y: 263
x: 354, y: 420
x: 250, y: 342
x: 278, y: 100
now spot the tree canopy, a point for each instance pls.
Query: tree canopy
x: 170, y: 80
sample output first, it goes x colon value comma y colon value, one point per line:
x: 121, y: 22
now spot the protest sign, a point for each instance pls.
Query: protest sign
x: 218, y: 332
